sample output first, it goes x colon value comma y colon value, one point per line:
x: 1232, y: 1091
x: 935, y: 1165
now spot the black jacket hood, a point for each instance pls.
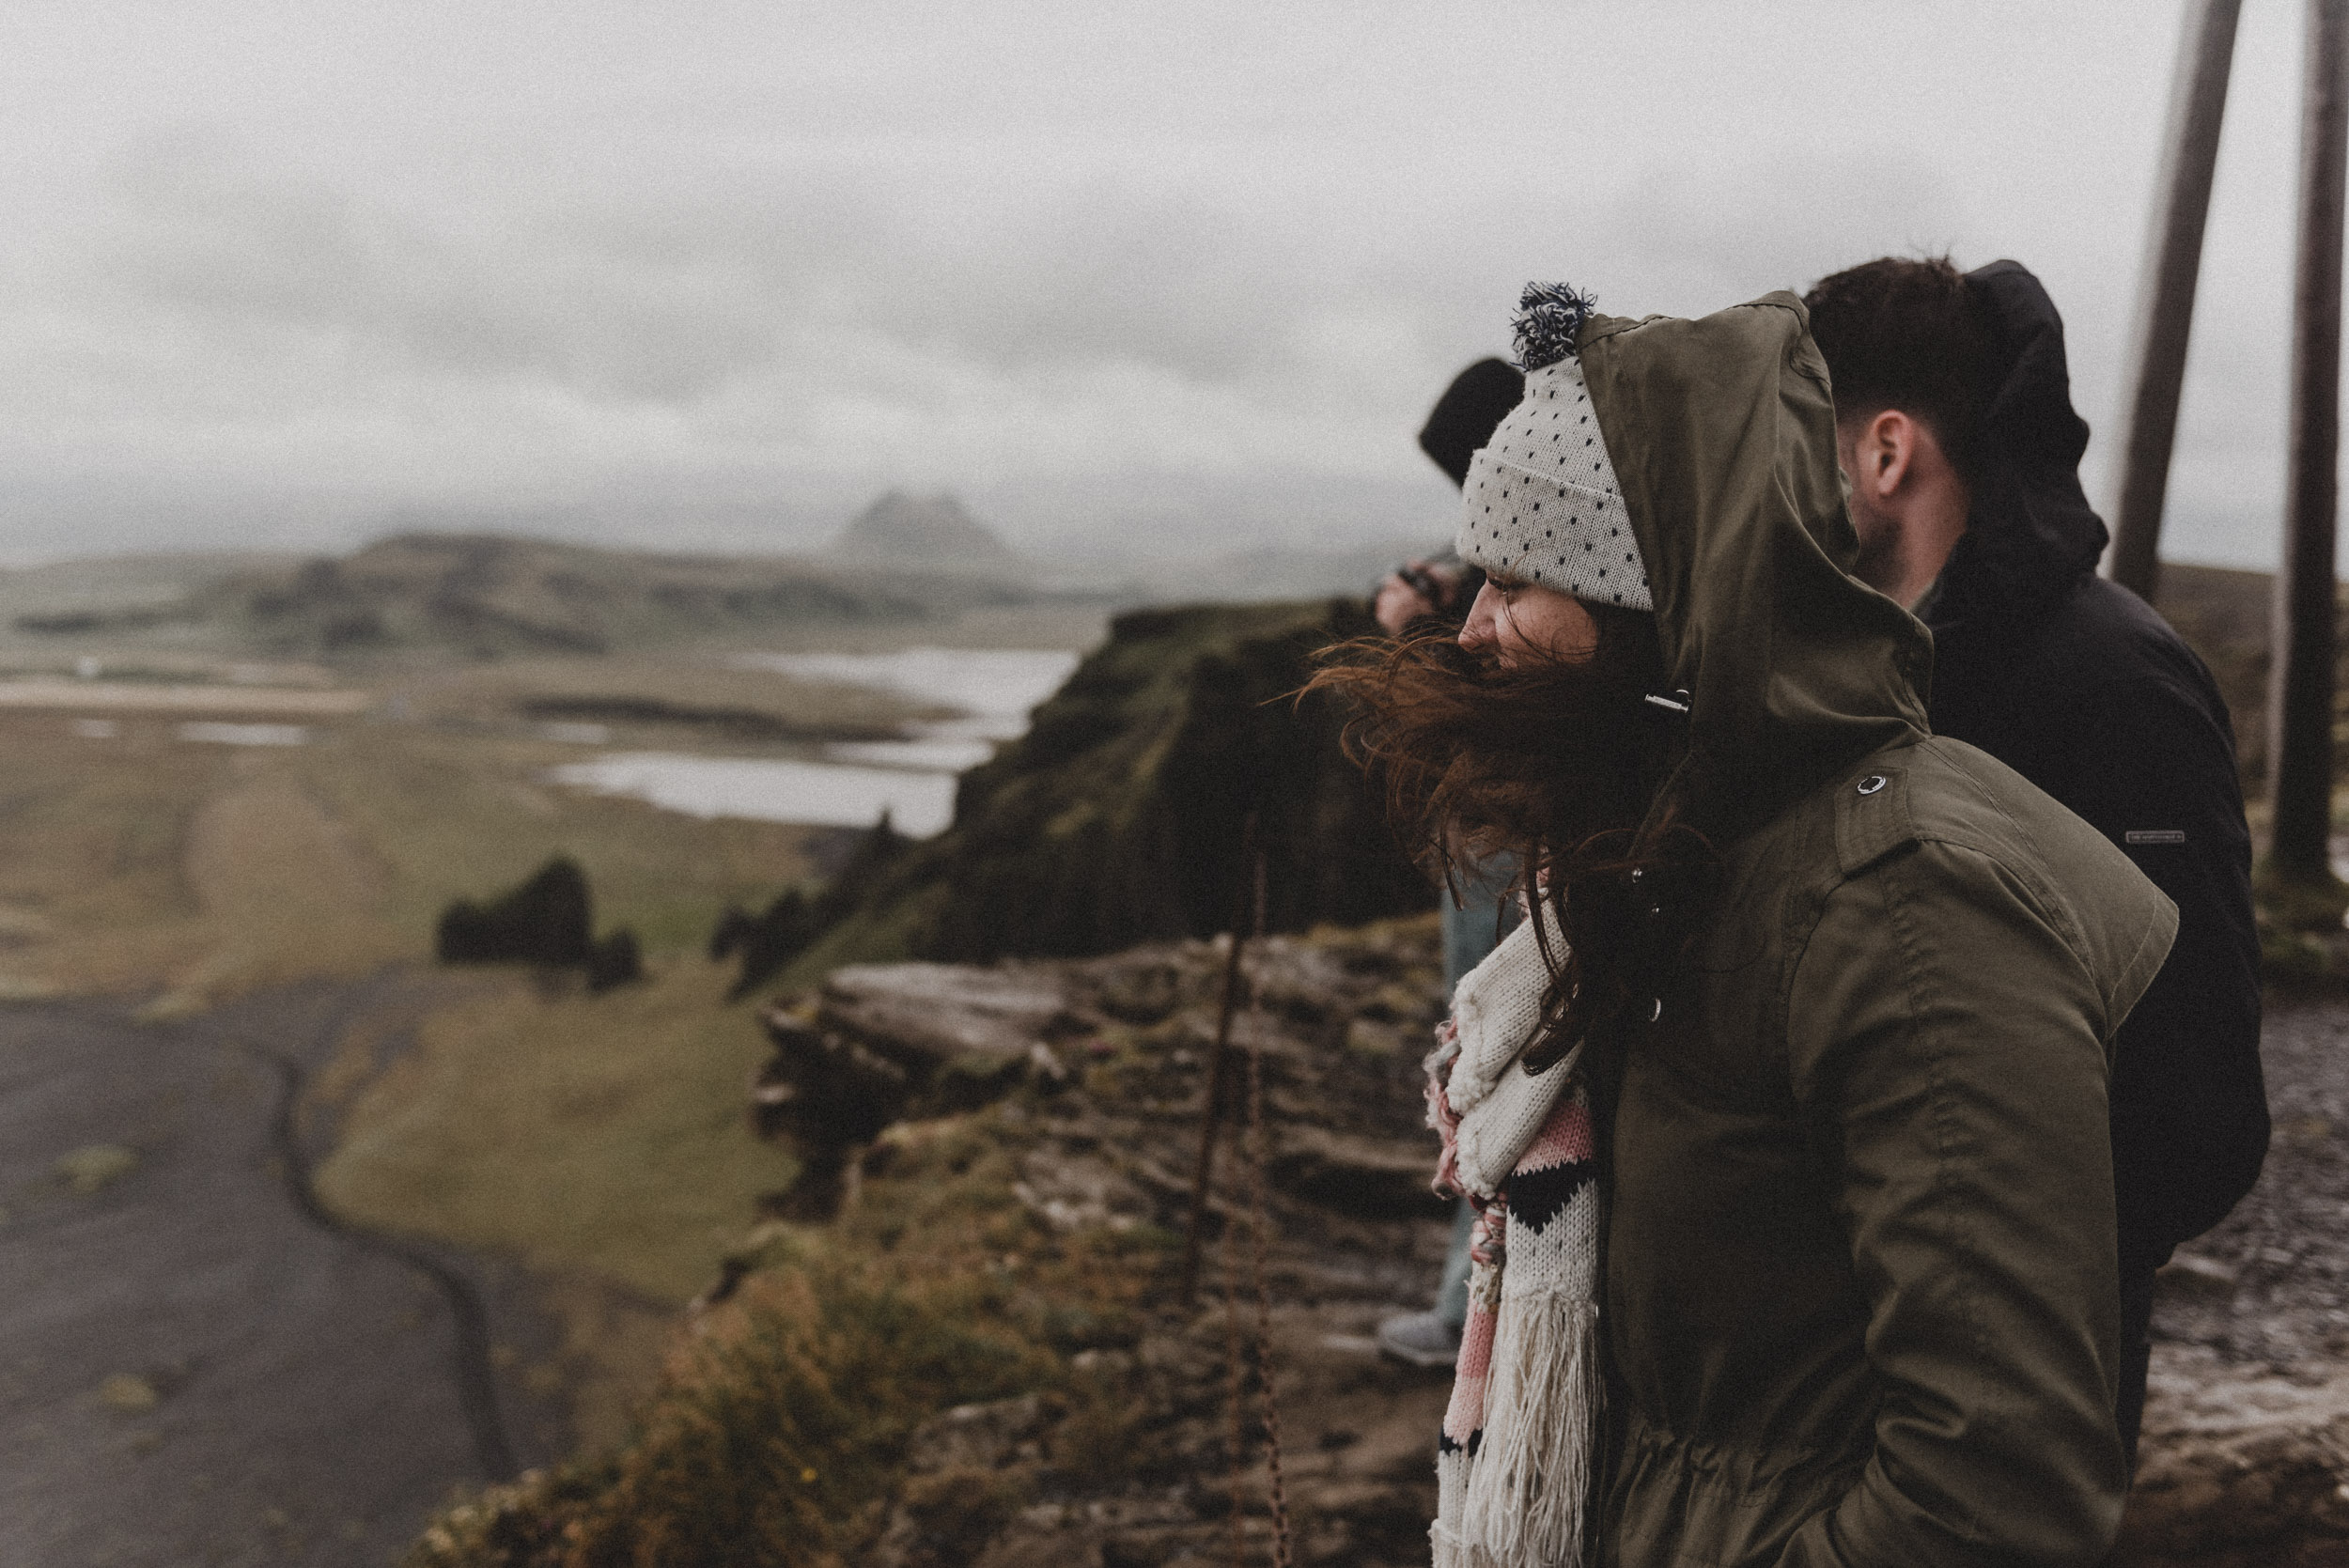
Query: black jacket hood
x: 2079, y: 686
x: 2030, y: 532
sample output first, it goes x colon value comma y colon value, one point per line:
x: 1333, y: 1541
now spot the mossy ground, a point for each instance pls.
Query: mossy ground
x: 605, y: 1133
x: 778, y: 1434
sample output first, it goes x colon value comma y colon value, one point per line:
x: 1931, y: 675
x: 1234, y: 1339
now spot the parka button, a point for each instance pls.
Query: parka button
x: 1873, y: 782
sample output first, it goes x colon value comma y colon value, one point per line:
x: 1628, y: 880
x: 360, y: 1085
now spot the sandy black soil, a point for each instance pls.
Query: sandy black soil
x: 195, y: 1366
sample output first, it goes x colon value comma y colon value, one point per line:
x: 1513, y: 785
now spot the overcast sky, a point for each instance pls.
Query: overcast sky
x: 1130, y: 277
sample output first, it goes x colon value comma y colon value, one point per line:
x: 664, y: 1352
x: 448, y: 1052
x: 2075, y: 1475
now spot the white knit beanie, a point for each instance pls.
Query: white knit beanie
x: 1541, y: 503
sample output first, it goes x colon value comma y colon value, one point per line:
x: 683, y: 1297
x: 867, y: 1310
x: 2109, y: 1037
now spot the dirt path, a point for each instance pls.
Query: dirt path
x: 195, y: 1366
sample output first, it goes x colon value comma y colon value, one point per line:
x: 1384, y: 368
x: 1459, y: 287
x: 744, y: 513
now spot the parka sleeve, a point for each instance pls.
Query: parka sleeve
x: 1947, y: 1050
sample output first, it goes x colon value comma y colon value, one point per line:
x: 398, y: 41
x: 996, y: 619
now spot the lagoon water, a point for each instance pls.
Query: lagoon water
x: 996, y: 688
x: 244, y: 734
x: 772, y: 789
x: 912, y: 779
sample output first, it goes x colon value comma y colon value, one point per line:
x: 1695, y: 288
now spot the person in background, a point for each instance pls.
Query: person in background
x: 1431, y: 596
x: 1438, y: 589
x: 1956, y: 427
x: 1785, y: 1106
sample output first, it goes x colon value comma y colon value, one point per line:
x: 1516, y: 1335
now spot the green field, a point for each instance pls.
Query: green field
x: 602, y: 1142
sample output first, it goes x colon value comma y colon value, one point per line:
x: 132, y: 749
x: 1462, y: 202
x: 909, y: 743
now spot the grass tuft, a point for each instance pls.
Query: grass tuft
x: 779, y: 1434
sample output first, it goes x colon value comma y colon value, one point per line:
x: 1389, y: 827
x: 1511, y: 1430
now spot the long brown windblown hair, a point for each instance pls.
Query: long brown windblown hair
x: 1561, y: 765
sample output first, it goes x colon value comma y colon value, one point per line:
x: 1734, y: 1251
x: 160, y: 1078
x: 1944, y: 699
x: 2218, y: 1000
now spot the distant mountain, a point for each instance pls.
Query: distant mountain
x: 483, y: 596
x: 930, y: 533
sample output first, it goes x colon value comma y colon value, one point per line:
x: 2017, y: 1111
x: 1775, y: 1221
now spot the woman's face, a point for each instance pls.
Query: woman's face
x: 1520, y: 623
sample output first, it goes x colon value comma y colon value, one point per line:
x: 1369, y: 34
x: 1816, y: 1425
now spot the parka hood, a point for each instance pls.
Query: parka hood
x: 1722, y: 432
x: 2029, y: 532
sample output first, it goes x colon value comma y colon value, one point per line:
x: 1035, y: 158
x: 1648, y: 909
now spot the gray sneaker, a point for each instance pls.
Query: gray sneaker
x: 1422, y: 1338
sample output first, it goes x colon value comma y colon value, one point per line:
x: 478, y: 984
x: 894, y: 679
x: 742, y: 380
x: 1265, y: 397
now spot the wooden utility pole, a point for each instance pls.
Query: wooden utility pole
x: 2164, y: 300
x: 2300, y: 727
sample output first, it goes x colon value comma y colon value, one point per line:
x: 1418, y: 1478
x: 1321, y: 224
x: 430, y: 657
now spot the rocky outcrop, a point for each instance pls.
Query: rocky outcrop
x: 2246, y: 1455
x: 1103, y: 1063
x: 880, y: 1044
x: 1037, y: 1122
x: 1118, y: 819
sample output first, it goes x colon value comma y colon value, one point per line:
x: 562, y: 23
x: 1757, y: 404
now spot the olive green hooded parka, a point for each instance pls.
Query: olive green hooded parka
x: 1858, y: 1299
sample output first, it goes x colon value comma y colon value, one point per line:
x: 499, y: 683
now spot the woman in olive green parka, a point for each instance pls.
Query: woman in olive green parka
x: 1855, y: 1298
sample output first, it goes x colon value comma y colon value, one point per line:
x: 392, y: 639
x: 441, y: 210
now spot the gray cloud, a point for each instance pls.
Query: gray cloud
x: 206, y: 233
x: 718, y: 270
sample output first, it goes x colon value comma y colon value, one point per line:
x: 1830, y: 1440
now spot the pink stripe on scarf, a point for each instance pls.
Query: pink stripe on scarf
x: 1561, y: 1141
x: 1465, y: 1413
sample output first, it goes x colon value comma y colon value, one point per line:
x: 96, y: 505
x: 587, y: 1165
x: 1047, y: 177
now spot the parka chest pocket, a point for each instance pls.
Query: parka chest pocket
x: 1714, y: 1043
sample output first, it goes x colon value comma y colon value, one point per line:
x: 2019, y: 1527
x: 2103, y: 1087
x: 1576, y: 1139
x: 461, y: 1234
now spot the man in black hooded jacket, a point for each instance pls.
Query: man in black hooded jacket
x: 1955, y: 420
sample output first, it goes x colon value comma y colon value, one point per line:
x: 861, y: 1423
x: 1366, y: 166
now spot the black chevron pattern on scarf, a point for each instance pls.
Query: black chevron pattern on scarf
x: 1538, y: 1196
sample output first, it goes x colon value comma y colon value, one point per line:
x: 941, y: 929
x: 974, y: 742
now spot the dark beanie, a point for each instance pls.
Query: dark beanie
x: 1465, y: 415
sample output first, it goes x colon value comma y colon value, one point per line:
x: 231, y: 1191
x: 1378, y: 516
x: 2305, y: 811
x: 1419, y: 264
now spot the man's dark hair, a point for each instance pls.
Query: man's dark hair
x: 1906, y: 335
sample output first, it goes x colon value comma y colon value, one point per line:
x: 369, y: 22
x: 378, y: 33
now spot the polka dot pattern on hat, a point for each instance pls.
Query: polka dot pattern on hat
x: 1542, y: 502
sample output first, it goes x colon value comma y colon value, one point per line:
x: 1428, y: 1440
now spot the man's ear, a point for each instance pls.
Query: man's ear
x: 1884, y: 453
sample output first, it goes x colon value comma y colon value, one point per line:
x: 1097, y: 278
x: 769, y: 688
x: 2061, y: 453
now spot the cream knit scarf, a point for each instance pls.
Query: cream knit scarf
x: 1512, y: 1464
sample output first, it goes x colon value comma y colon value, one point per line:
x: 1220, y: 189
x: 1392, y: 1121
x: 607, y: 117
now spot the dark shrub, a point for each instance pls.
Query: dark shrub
x: 764, y: 942
x: 545, y: 920
x: 614, y: 961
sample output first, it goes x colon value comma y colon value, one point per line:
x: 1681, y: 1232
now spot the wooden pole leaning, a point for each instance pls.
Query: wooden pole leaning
x: 2300, y: 722
x: 1219, y: 1063
x: 2165, y: 303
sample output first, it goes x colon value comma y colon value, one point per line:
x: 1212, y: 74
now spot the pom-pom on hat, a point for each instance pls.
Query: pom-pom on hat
x: 1542, y: 502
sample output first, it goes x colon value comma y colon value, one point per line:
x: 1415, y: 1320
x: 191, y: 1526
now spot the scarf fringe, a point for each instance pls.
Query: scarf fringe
x: 1528, y: 1486
x: 1453, y: 1552
x: 1450, y: 1551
